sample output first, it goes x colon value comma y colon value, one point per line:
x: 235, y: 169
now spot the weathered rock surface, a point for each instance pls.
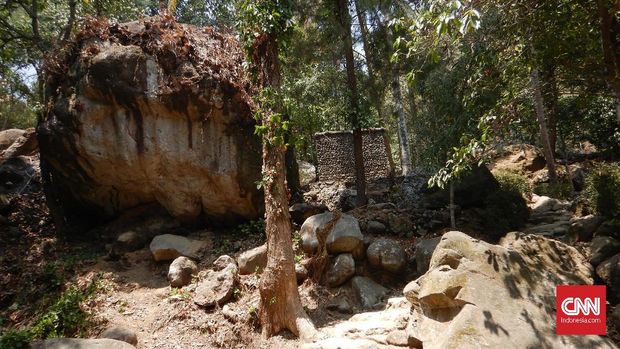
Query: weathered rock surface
x: 368, y: 292
x: 375, y: 227
x: 497, y: 296
x: 369, y: 330
x: 8, y: 137
x: 222, y: 262
x: 121, y: 334
x: 609, y: 271
x: 307, y: 172
x: 181, y: 271
x: 344, y: 237
x: 80, y: 343
x: 583, y: 228
x: 217, y: 287
x: 143, y: 114
x: 303, y: 210
x: 15, y: 142
x: 168, y: 247
x: 253, y: 261
x: 386, y: 254
x: 340, y: 271
x: 423, y: 252
x: 603, y: 247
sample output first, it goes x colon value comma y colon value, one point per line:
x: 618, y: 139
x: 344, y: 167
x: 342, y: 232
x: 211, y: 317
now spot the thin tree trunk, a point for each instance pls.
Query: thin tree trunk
x: 360, y: 176
x: 70, y: 21
x: 405, y: 151
x: 540, y: 115
x: 610, y: 30
x: 452, y: 214
x: 280, y: 305
x: 374, y: 88
x: 550, y: 96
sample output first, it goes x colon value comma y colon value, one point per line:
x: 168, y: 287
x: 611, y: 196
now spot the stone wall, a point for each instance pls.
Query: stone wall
x: 335, y: 159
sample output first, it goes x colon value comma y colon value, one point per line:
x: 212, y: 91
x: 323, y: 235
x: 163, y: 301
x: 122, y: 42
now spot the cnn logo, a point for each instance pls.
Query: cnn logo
x: 580, y: 310
x: 573, y: 306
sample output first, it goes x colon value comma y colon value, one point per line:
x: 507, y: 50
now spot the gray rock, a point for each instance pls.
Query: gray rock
x: 344, y: 237
x: 253, y: 261
x: 341, y: 305
x: 121, y: 334
x: 128, y: 241
x: 583, y: 228
x: 609, y: 271
x: 368, y: 292
x: 423, y: 252
x: 307, y: 172
x: 80, y: 343
x: 222, y: 262
x: 168, y: 247
x: 399, y: 224
x: 542, y: 204
x: 603, y: 247
x: 609, y: 228
x: 375, y: 227
x: 217, y: 287
x: 301, y: 211
x: 401, y: 338
x: 341, y: 270
x: 386, y: 254
x: 301, y: 273
x: 181, y: 271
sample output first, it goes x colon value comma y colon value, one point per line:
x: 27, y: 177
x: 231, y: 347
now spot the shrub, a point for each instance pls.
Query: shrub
x: 513, y: 182
x: 602, y: 190
x: 504, y: 211
x: 14, y: 339
x: 559, y: 190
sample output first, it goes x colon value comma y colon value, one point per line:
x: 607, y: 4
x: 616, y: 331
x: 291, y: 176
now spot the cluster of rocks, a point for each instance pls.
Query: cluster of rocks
x: 474, y: 295
x: 114, y: 337
x: 351, y: 255
x: 554, y: 218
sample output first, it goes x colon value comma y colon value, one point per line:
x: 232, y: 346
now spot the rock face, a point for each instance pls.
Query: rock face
x: 386, y: 254
x: 217, y: 288
x: 369, y: 293
x: 79, y: 343
x: 423, y: 252
x: 497, y: 296
x: 609, y: 271
x: 144, y: 116
x: 252, y: 261
x: 168, y: 247
x: 603, y: 247
x: 121, y: 334
x: 181, y: 271
x: 344, y: 237
x: 341, y: 270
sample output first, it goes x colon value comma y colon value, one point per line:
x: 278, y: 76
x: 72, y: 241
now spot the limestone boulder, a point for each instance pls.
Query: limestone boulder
x: 217, y: 287
x: 80, y: 343
x: 152, y: 111
x: 253, y: 261
x: 477, y: 294
x: 340, y: 270
x: 386, y: 254
x: 344, y: 237
x: 121, y: 334
x: 168, y: 247
x: 181, y: 271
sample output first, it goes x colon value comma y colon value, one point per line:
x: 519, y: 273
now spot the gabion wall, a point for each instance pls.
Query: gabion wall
x: 334, y: 151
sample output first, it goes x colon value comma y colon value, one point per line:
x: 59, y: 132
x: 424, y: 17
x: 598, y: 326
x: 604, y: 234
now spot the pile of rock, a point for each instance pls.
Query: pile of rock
x: 549, y: 217
x: 350, y: 253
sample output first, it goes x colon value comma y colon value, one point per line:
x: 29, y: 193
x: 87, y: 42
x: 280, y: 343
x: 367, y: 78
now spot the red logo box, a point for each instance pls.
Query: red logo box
x: 580, y: 310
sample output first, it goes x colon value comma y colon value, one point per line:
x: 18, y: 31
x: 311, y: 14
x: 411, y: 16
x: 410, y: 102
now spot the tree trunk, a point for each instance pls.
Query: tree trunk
x: 550, y: 96
x: 610, y: 31
x: 66, y: 34
x: 358, y: 151
x: 540, y: 115
x: 375, y: 94
x: 405, y: 151
x: 280, y: 305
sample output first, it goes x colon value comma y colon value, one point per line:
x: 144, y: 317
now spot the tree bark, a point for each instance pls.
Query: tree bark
x: 342, y: 11
x: 540, y: 115
x: 70, y: 21
x: 375, y: 94
x: 610, y: 31
x: 550, y: 96
x: 280, y: 305
x: 405, y: 151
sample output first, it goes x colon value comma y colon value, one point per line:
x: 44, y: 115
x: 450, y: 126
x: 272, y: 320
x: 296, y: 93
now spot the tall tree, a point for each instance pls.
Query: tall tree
x: 544, y: 133
x: 344, y: 19
x: 263, y: 23
x: 610, y: 33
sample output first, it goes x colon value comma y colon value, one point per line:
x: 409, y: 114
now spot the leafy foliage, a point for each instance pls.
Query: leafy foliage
x: 513, y: 182
x: 602, y: 191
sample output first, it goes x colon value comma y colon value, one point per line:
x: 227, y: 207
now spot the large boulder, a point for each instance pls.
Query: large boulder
x: 345, y: 235
x: 151, y: 111
x: 477, y: 294
x: 340, y: 270
x: 609, y: 271
x: 253, y: 261
x: 386, y: 254
x: 181, y: 271
x: 168, y: 247
x: 80, y: 343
